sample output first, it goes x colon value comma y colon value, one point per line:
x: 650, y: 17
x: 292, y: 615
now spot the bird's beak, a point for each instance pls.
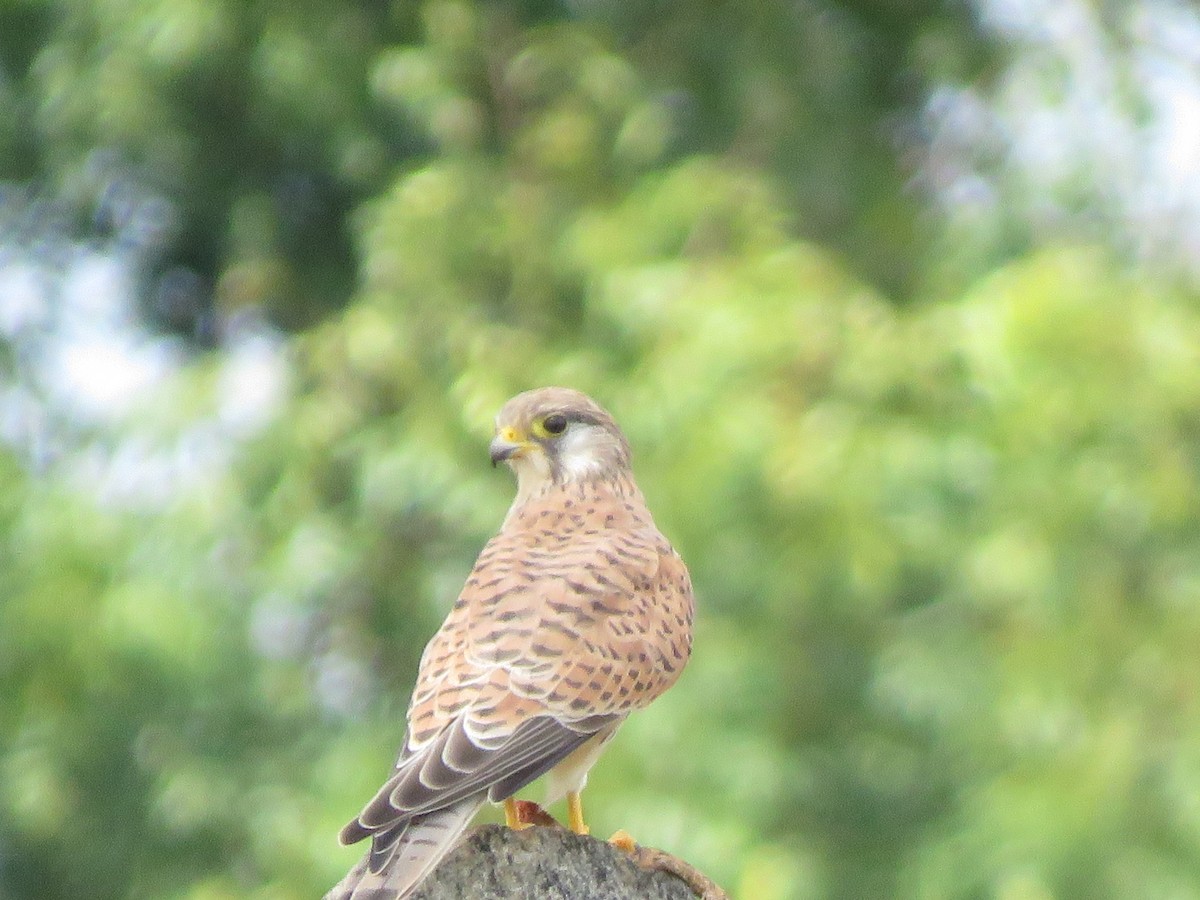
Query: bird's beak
x: 507, y: 444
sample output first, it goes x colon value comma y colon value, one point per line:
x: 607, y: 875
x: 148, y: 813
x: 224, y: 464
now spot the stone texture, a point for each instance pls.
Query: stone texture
x: 496, y: 863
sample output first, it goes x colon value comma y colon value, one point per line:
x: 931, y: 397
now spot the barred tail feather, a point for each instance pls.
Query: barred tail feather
x: 398, y: 862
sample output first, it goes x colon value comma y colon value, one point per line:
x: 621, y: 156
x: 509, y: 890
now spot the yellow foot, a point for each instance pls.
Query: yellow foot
x: 623, y: 840
x: 575, y: 814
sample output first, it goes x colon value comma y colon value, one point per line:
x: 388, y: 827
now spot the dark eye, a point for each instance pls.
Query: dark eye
x: 555, y: 424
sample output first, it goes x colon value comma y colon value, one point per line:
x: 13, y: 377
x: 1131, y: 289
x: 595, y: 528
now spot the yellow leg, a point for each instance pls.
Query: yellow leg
x: 511, y: 819
x: 575, y: 814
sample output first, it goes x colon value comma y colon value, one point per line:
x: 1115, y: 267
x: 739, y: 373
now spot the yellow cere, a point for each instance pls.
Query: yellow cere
x: 512, y: 435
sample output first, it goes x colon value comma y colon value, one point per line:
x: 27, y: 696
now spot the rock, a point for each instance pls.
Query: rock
x: 550, y: 863
x: 497, y: 863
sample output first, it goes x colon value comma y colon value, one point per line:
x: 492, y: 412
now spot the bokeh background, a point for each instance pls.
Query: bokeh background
x: 897, y: 301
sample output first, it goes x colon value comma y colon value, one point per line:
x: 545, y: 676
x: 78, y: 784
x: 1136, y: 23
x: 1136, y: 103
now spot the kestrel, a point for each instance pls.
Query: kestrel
x: 577, y: 613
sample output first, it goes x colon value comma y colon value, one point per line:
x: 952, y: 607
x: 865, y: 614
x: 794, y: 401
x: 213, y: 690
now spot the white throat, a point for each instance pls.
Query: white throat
x: 533, y: 477
x: 579, y: 454
x: 583, y: 452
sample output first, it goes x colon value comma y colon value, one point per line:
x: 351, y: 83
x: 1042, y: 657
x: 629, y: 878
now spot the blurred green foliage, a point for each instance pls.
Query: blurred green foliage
x: 946, y: 547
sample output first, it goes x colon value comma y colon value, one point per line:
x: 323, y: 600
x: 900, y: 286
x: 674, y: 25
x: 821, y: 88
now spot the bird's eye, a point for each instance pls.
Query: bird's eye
x: 555, y: 424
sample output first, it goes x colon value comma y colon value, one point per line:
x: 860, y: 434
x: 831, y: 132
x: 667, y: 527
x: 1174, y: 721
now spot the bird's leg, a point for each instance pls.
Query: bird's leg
x: 575, y: 813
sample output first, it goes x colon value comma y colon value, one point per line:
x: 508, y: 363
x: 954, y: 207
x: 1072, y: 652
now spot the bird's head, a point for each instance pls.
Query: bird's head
x: 556, y: 435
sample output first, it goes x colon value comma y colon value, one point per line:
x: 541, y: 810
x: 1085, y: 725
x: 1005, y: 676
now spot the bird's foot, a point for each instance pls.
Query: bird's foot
x: 623, y: 840
x: 575, y: 814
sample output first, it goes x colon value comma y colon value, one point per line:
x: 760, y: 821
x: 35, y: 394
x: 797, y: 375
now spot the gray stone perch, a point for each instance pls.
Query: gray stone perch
x: 496, y: 863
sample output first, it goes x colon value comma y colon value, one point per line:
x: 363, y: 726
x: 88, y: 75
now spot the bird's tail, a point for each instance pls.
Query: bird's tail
x: 398, y: 861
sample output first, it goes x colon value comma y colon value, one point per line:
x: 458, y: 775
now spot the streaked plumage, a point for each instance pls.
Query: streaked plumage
x: 577, y: 613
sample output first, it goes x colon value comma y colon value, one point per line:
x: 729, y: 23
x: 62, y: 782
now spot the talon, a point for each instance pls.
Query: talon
x: 623, y: 840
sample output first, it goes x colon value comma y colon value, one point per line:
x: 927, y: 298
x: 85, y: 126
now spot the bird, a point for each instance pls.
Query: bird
x: 576, y: 613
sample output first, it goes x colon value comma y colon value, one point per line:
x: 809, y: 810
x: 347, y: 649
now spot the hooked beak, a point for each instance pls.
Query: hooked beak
x: 506, y: 445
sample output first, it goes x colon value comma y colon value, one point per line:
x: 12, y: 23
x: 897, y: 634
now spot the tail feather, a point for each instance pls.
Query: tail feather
x: 399, y: 862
